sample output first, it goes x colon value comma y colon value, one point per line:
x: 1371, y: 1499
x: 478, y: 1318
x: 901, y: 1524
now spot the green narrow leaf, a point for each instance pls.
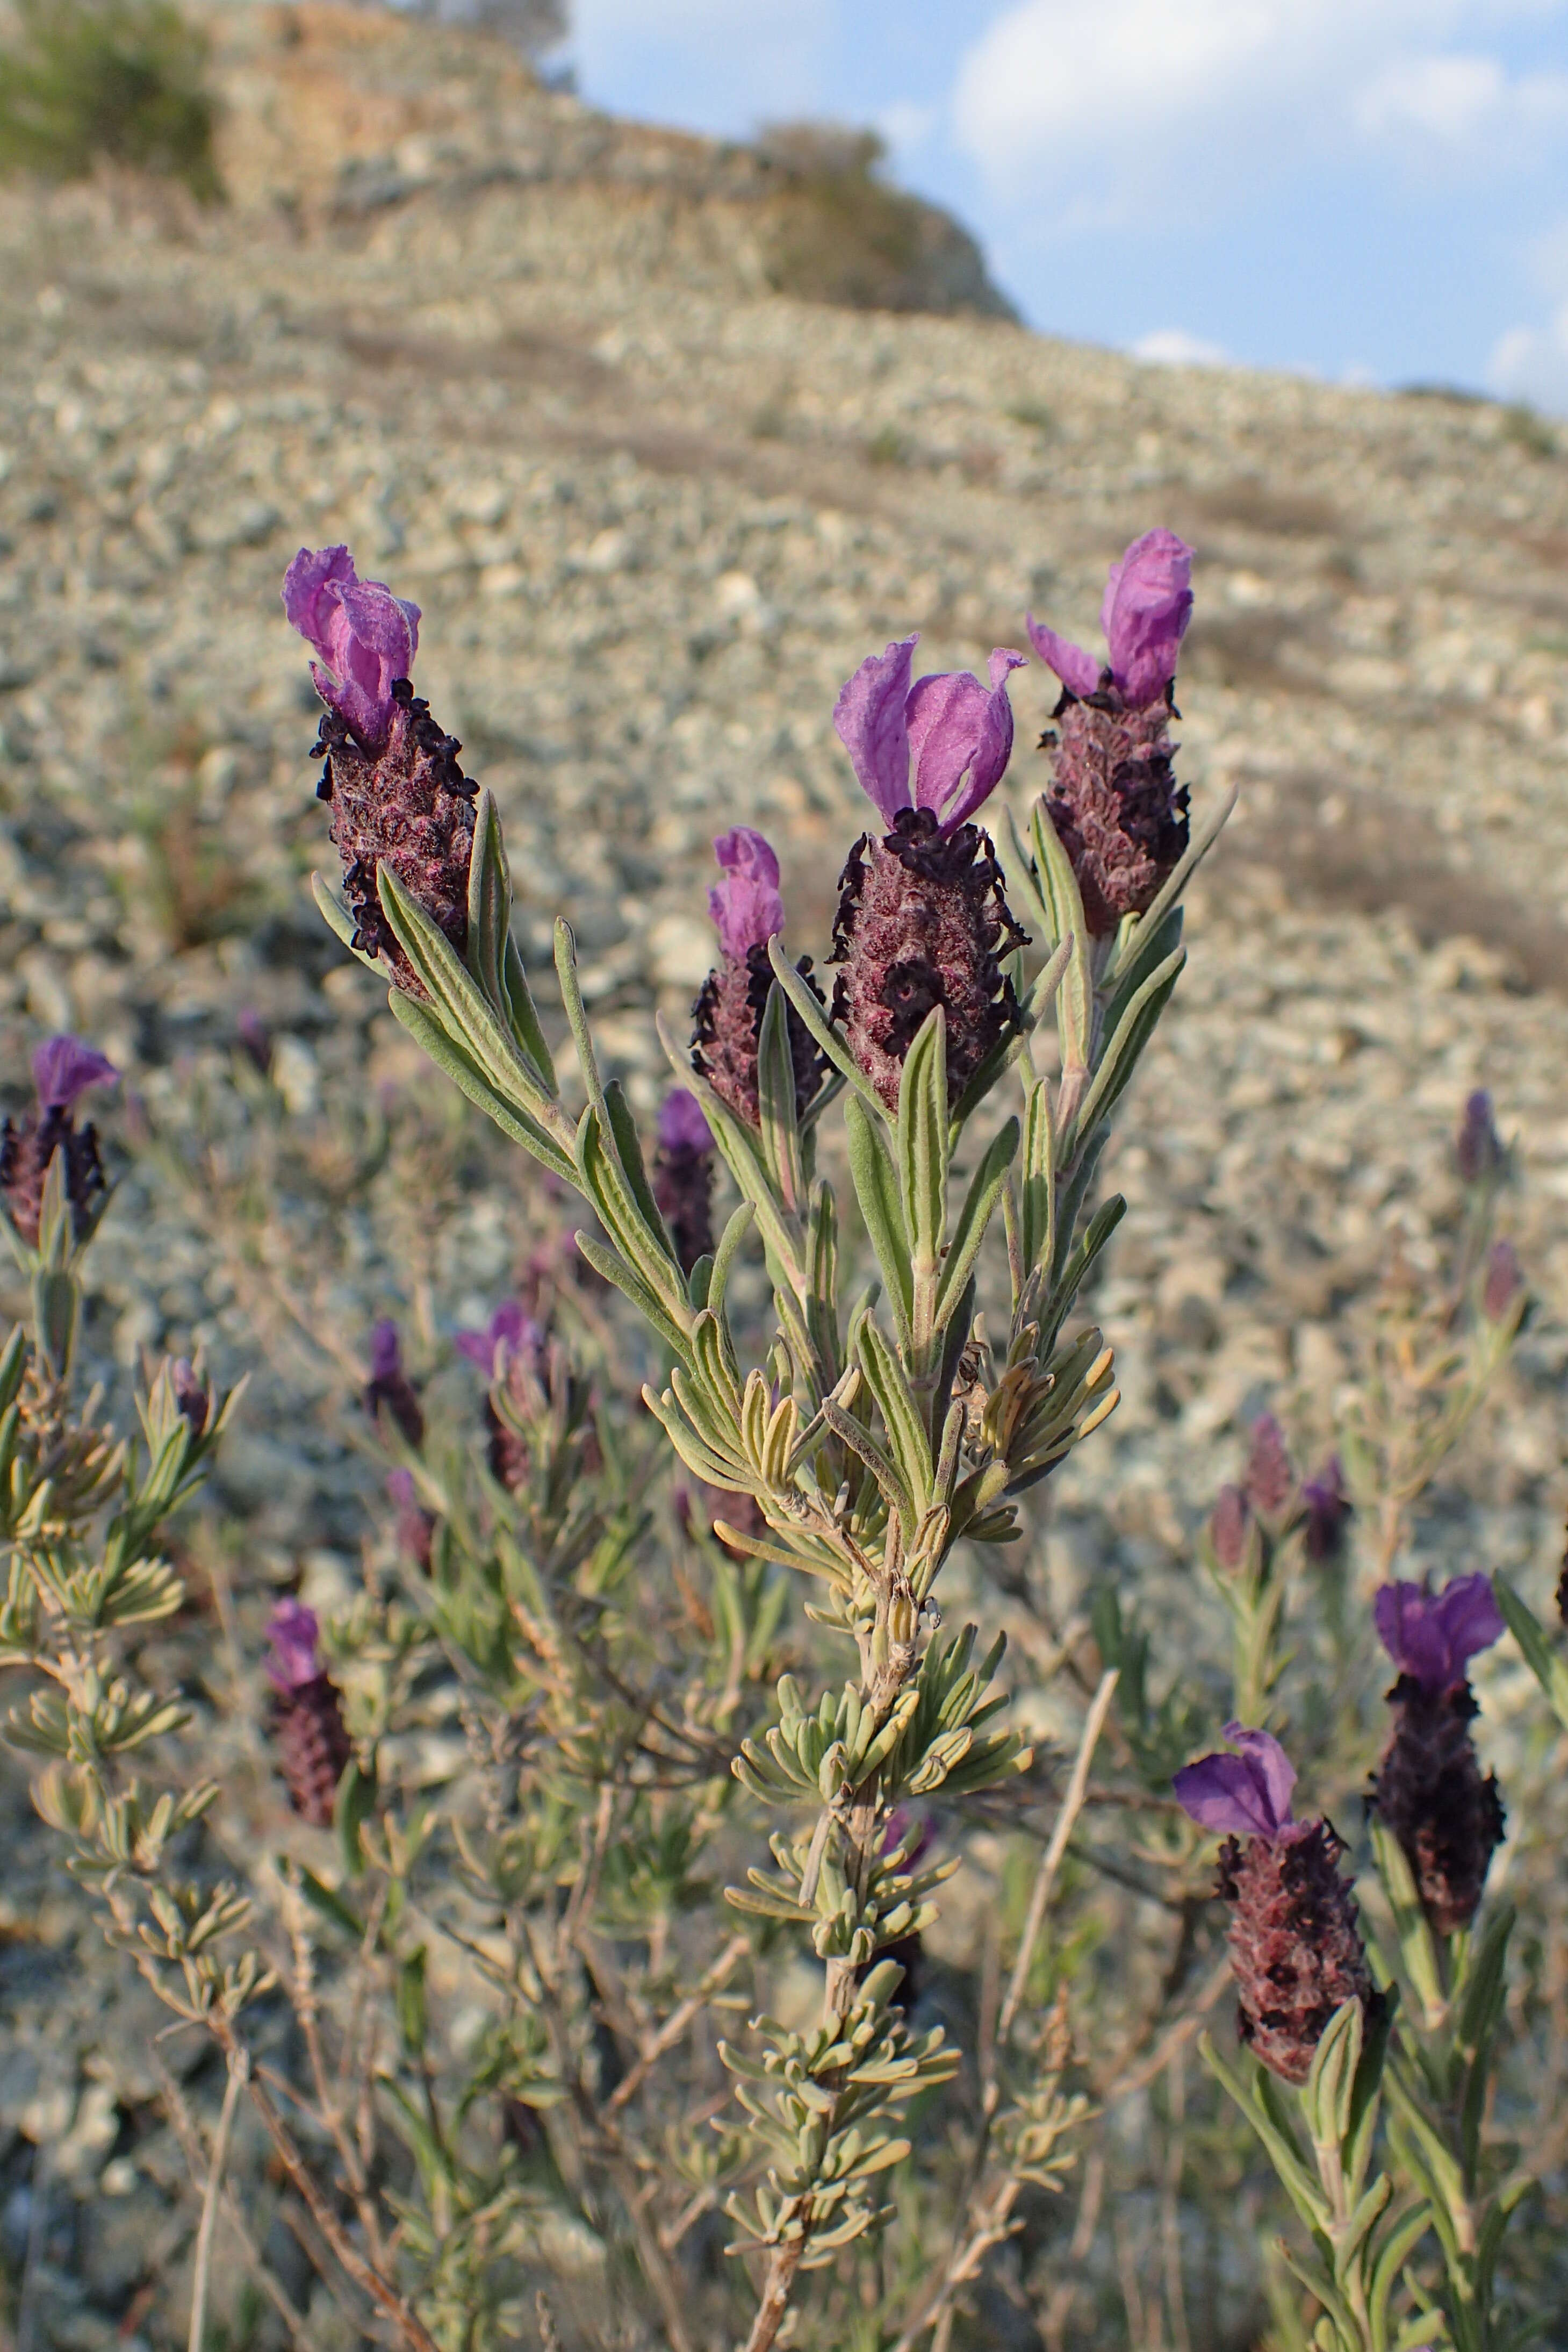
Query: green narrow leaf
x: 1550, y: 1671
x: 980, y: 1203
x: 739, y: 1224
x: 877, y: 1460
x: 876, y: 1190
x: 458, y: 1000
x: 615, y: 1270
x: 524, y: 1017
x: 777, y: 1112
x: 339, y: 920
x: 895, y: 1402
x: 804, y: 1000
x: 1120, y: 1057
x: 489, y: 904
x: 1047, y: 878
x: 1036, y: 1196
x: 1136, y: 957
x: 921, y: 1142
x: 428, y: 1034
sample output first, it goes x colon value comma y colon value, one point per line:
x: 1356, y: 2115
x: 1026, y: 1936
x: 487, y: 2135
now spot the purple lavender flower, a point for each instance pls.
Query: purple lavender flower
x: 1504, y: 1281
x: 1478, y: 1148
x: 682, y: 1176
x: 1244, y: 1796
x: 294, y: 1633
x: 1115, y: 802
x: 1431, y: 1636
x: 1229, y: 1526
x: 1428, y: 1788
x: 1270, y: 1481
x: 389, y: 1388
x: 948, y: 725
x: 307, y: 1714
x: 190, y: 1395
x: 364, y: 636
x: 1145, y: 612
x: 1327, y: 1510
x: 397, y: 795
x: 748, y: 912
x: 255, y: 1039
x: 1295, y: 1950
x: 509, y: 1332
x: 415, y: 1526
x: 745, y: 903
x: 63, y: 1071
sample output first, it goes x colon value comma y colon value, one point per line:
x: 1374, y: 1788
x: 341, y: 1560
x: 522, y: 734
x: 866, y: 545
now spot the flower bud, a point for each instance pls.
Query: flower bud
x: 1328, y: 1509
x: 1270, y: 1481
x: 1504, y: 1281
x: 397, y: 795
x: 313, y: 1745
x: 1114, y: 802
x: 748, y: 912
x: 389, y: 1390
x: 1428, y: 1788
x: 1296, y: 1951
x: 1229, y: 1524
x: 682, y: 1176
x: 190, y: 1394
x: 1478, y: 1148
x: 510, y: 1349
x: 63, y: 1071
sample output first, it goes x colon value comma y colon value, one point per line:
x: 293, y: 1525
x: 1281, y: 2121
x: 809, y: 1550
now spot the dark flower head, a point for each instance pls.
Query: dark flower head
x: 190, y: 1395
x: 255, y: 1039
x: 509, y: 1332
x: 681, y: 1127
x: 748, y: 911
x: 1146, y: 607
x: 1270, y: 1481
x: 745, y: 903
x: 294, y: 1633
x: 399, y: 797
x: 415, y: 1526
x: 389, y: 1388
x: 365, y: 638
x: 682, y: 1176
x: 1229, y: 1525
x: 1242, y: 1796
x: 1504, y: 1281
x: 1432, y: 1637
x: 1327, y: 1507
x: 957, y: 734
x: 1478, y: 1149
x: 63, y: 1070
x: 1430, y: 1790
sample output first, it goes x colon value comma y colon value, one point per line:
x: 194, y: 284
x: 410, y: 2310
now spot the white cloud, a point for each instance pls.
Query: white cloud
x: 1531, y: 363
x: 1097, y: 112
x: 906, y: 125
x: 1174, y: 347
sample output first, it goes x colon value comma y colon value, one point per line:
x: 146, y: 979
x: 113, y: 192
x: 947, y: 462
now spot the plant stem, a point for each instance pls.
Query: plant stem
x: 240, y: 2073
x: 781, y: 2269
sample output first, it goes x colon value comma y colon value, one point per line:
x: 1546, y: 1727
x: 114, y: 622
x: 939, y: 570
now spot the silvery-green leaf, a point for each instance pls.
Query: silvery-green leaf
x: 1326, y: 2093
x: 1079, y: 1266
x: 741, y: 1151
x: 921, y: 1142
x: 1051, y: 885
x: 1550, y: 1671
x: 819, y: 1027
x: 979, y: 1201
x: 860, y: 1441
x: 458, y: 1003
x: 1133, y: 959
x: 489, y: 904
x: 777, y: 1112
x: 1120, y: 1057
x: 614, y: 1269
x: 56, y: 1296
x: 466, y: 1075
x: 876, y: 1189
x: 1036, y: 1193
x: 900, y: 1415
x: 524, y: 1014
x: 337, y: 919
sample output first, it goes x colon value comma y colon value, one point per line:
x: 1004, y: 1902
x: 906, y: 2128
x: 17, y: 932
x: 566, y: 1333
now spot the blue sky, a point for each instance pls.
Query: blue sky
x: 1369, y: 189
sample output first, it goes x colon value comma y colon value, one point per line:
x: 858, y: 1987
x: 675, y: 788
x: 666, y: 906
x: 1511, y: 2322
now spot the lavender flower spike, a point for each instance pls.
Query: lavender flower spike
x: 293, y: 1632
x: 1145, y: 612
x: 1433, y: 1637
x: 745, y: 903
x: 397, y: 795
x: 509, y: 1332
x: 682, y: 1176
x: 1242, y: 1796
x: 365, y: 636
x: 748, y: 912
x: 947, y: 726
x: 63, y: 1070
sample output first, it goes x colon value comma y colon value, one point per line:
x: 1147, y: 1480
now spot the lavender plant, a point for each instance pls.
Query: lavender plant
x: 511, y: 2057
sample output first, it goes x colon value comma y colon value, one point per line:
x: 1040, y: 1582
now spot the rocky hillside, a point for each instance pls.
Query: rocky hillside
x: 531, y: 365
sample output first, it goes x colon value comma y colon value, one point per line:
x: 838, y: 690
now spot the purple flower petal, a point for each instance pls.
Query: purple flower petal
x: 1242, y: 1796
x: 1146, y: 608
x: 746, y: 904
x: 872, y: 724
x: 957, y: 728
x: 681, y: 1127
x: 1432, y: 1637
x: 64, y: 1069
x: 510, y: 1329
x: 1078, y: 671
x: 366, y: 637
x: 306, y: 604
x: 386, y: 1355
x: 293, y: 1632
